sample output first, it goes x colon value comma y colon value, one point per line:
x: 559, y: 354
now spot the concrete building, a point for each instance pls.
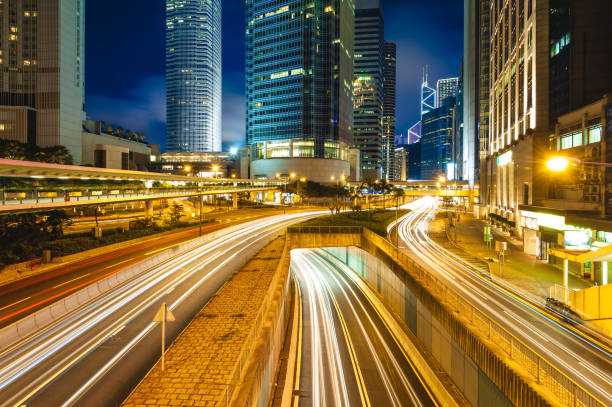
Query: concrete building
x: 299, y: 78
x: 389, y: 92
x: 540, y: 68
x: 400, y: 162
x: 106, y: 147
x: 368, y: 87
x: 446, y: 88
x: 42, y: 84
x: 193, y: 75
x: 203, y: 164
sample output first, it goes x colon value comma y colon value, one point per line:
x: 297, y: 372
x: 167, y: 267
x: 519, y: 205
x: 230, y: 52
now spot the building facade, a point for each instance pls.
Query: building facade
x: 193, y: 75
x: 369, y: 87
x: 475, y: 78
x: 42, y: 84
x: 539, y: 70
x: 299, y: 76
x: 446, y: 88
x: 428, y: 98
x: 389, y: 91
x: 112, y: 147
x: 436, y: 141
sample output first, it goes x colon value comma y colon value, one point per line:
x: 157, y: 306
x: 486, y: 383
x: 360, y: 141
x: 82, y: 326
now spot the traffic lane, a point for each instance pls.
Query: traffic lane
x: 578, y: 359
x: 16, y: 303
x: 387, y: 377
x: 51, y: 367
x: 115, y: 385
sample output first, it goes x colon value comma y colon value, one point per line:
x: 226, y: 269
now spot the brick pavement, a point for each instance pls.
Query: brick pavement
x: 203, y: 358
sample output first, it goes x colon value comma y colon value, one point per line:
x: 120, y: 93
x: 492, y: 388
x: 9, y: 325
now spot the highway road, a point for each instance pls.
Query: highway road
x: 97, y: 353
x: 28, y: 295
x: 347, y: 356
x: 585, y: 362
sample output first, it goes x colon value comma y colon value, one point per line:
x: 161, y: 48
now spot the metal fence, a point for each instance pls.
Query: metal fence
x: 326, y: 229
x: 544, y: 372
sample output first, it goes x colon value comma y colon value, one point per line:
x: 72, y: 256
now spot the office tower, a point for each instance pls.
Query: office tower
x: 436, y: 141
x: 368, y: 86
x: 446, y: 88
x: 475, y: 97
x: 547, y: 57
x: 458, y: 143
x: 414, y: 133
x: 428, y: 96
x: 193, y: 75
x: 299, y: 71
x: 42, y: 84
x: 389, y: 79
x: 413, y: 153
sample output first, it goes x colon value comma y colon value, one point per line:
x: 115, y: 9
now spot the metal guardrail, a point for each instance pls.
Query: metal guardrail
x: 566, y: 390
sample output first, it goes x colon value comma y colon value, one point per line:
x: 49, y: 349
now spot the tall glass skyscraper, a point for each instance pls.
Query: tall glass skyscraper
x: 368, y: 87
x: 389, y: 75
x: 193, y: 75
x: 299, y: 68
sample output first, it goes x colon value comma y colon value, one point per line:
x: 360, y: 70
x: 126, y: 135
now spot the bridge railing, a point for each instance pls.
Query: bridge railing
x: 326, y: 229
x: 86, y: 194
x: 565, y: 389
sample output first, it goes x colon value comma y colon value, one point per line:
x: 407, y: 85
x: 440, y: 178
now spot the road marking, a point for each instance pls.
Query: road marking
x: 15, y: 303
x: 526, y: 326
x: 363, y: 392
x: 70, y: 281
x: 598, y: 372
x: 298, y: 363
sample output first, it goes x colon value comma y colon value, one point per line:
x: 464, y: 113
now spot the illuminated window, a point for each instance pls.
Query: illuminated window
x: 13, y: 37
x: 594, y: 134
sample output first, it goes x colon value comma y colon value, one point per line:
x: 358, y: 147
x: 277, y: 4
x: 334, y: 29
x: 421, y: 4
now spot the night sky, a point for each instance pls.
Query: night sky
x: 125, y: 67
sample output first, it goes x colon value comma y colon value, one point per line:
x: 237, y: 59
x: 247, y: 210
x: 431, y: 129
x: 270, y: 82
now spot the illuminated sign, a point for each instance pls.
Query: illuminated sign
x: 505, y: 158
x: 450, y: 171
x: 577, y: 238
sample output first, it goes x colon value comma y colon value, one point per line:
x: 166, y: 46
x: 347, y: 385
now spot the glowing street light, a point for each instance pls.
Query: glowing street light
x: 442, y: 179
x: 187, y: 168
x: 557, y: 164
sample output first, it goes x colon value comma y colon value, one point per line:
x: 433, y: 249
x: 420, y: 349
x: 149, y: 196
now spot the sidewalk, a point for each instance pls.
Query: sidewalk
x: 522, y: 271
x: 201, y: 361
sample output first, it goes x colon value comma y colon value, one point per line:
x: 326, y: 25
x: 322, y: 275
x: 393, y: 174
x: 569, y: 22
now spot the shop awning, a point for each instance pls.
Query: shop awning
x: 581, y: 256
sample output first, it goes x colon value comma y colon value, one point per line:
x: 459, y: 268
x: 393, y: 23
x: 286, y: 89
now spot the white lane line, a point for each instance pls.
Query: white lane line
x: 70, y: 281
x: 539, y: 334
x: 598, y: 372
x: 15, y: 303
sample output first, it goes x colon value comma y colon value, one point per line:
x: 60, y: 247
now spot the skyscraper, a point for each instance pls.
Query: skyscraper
x: 42, y: 84
x: 475, y: 82
x: 446, y: 88
x: 368, y: 86
x: 193, y: 75
x: 545, y: 60
x: 299, y: 71
x: 428, y: 96
x: 389, y: 79
x: 436, y: 141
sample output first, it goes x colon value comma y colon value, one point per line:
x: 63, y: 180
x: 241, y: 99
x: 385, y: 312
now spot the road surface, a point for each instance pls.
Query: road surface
x: 586, y: 363
x: 348, y: 357
x: 96, y: 354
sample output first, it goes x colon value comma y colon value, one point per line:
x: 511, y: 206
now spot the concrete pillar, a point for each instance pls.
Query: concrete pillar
x: 566, y: 281
x: 604, y: 272
x: 235, y: 200
x: 148, y: 214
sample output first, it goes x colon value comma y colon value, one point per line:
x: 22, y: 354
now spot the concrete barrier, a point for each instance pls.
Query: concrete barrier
x: 25, y: 327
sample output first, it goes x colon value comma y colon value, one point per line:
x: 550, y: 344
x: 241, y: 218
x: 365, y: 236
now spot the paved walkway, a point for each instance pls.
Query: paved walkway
x: 202, y: 359
x: 522, y: 271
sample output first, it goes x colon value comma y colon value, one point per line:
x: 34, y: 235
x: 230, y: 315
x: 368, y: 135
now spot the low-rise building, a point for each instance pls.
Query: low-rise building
x: 202, y: 164
x: 109, y: 147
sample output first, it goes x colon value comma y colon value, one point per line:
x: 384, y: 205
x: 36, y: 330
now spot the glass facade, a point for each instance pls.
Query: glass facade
x: 193, y: 75
x: 389, y: 75
x: 436, y: 142
x: 299, y: 67
x: 368, y: 87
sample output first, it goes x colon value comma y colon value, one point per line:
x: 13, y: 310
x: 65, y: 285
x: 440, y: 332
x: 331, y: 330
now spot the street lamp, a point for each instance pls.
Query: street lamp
x: 187, y: 168
x: 215, y: 169
x: 442, y: 179
x: 557, y: 164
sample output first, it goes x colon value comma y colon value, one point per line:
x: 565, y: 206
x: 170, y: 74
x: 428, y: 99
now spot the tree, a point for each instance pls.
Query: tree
x: 55, y: 221
x: 176, y: 211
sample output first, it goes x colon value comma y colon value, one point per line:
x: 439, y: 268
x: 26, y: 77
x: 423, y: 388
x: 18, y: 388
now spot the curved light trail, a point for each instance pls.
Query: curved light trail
x: 586, y: 363
x: 349, y: 356
x: 31, y: 370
